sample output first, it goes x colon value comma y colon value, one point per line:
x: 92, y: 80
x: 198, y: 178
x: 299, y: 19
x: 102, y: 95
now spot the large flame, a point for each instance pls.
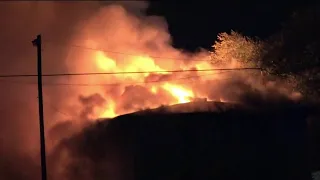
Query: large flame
x: 128, y: 43
x: 113, y: 40
x: 156, y: 88
x: 181, y: 93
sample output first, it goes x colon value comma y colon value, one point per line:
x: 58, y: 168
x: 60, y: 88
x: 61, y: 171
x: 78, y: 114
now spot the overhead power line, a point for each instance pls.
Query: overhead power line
x: 111, y: 84
x: 55, y: 108
x: 128, y: 72
x: 133, y: 83
x: 127, y: 54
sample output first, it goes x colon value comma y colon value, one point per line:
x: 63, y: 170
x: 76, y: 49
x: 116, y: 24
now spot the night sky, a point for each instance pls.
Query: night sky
x: 195, y: 24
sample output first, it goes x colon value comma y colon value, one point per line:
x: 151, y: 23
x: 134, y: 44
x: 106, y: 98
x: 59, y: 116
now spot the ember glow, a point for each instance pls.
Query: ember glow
x: 181, y: 94
x: 176, y: 92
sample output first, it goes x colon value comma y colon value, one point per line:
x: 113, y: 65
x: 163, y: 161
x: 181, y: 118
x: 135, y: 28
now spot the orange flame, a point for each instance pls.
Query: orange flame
x: 183, y: 95
x: 109, y: 112
x: 180, y: 93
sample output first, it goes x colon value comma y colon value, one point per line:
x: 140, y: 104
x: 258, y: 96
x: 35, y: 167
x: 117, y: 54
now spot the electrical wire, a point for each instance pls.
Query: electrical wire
x: 111, y: 84
x: 127, y: 72
x: 54, y: 107
x: 122, y: 53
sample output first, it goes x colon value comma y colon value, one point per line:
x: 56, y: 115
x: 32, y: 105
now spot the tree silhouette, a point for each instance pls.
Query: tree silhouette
x: 292, y: 54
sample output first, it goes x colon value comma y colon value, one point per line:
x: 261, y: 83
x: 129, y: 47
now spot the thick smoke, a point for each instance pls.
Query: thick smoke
x: 67, y: 28
x: 60, y: 24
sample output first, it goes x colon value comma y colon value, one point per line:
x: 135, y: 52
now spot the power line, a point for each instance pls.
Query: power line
x: 127, y: 54
x: 17, y: 82
x: 128, y: 72
x: 143, y: 82
x: 112, y: 84
x: 134, y: 83
x: 54, y: 107
x: 57, y: 110
x: 135, y: 55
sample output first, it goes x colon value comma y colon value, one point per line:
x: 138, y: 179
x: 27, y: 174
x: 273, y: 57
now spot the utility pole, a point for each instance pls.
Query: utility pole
x: 37, y: 43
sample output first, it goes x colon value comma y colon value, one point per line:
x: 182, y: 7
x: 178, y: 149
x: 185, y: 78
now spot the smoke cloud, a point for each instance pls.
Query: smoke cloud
x: 73, y: 33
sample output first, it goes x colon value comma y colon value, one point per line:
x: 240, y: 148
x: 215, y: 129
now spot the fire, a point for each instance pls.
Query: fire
x: 110, y: 111
x: 137, y: 45
x: 104, y: 62
x: 182, y: 95
x: 154, y: 89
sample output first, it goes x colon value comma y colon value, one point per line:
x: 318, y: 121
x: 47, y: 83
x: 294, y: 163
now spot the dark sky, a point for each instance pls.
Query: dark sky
x: 196, y: 24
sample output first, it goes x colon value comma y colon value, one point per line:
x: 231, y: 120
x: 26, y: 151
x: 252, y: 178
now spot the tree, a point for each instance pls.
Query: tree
x: 236, y: 50
x: 294, y: 52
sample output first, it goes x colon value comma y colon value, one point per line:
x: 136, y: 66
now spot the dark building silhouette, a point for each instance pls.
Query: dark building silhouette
x: 230, y: 142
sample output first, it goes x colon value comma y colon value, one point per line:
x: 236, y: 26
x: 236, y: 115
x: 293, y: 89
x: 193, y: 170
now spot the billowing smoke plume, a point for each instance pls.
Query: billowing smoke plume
x: 61, y: 24
x: 73, y: 33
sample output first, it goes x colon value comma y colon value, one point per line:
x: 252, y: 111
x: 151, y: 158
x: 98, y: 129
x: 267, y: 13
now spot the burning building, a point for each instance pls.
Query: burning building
x: 113, y: 38
x: 227, y: 142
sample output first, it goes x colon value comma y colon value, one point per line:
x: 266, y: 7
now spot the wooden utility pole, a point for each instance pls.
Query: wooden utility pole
x: 37, y: 43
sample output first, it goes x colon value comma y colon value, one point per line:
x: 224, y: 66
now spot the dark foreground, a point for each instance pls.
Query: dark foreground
x: 226, y: 143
